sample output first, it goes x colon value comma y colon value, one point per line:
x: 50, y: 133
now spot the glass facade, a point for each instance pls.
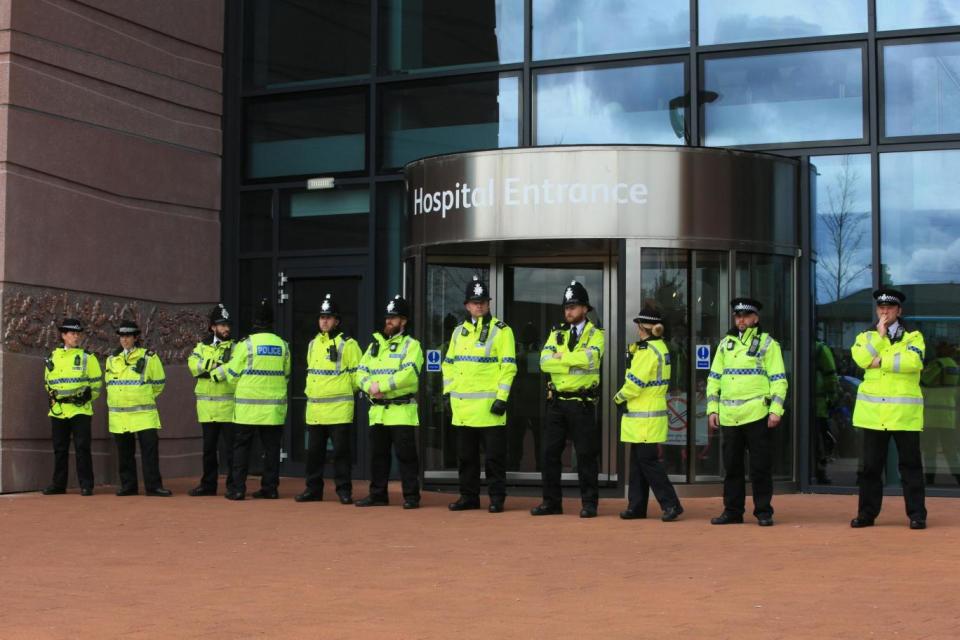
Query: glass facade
x: 353, y: 89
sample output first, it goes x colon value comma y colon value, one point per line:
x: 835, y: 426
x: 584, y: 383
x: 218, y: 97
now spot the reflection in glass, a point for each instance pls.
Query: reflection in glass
x: 921, y: 88
x: 769, y: 279
x: 305, y: 134
x: 916, y: 14
x: 256, y: 221
x: 390, y: 238
x: 293, y: 41
x: 724, y: 21
x: 840, y: 194
x: 423, y: 120
x: 920, y: 255
x: 663, y: 278
x: 711, y: 319
x: 425, y: 34
x: 444, y: 296
x: 571, y: 28
x: 785, y: 97
x: 325, y: 219
x: 610, y: 105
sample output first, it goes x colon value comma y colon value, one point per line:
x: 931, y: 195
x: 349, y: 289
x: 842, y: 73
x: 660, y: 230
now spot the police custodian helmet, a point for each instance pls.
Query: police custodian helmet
x: 576, y: 293
x: 397, y: 306
x: 263, y: 314
x: 476, y: 291
x: 329, y: 307
x: 219, y: 315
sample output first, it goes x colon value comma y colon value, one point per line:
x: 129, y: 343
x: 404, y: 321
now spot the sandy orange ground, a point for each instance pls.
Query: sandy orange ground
x: 182, y: 567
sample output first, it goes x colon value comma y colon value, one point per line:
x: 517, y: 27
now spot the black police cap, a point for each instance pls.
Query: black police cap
x: 887, y: 297
x: 128, y: 328
x: 576, y: 293
x: 70, y: 324
x: 745, y: 305
x: 648, y: 315
x: 476, y: 291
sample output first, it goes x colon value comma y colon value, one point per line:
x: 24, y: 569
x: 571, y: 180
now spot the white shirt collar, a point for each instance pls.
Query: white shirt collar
x: 579, y: 327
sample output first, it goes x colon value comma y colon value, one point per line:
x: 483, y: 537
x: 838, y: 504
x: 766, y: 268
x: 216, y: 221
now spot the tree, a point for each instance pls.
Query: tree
x: 844, y: 231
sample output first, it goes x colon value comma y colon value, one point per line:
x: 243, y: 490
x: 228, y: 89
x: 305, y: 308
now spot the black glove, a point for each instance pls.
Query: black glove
x: 447, y: 405
x: 86, y: 396
x: 498, y: 408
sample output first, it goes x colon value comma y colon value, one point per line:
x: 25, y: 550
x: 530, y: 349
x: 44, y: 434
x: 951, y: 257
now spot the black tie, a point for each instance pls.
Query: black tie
x: 573, y: 337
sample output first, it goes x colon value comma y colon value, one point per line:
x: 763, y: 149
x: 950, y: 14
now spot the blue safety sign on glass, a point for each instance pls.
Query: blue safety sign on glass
x: 703, y: 356
x: 433, y: 360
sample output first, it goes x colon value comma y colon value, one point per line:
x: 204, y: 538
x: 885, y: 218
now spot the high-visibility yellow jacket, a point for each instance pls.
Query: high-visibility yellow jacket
x: 826, y: 382
x: 331, y: 378
x: 889, y: 398
x: 395, y: 366
x: 214, y: 399
x: 576, y: 369
x: 645, y: 392
x: 134, y: 380
x: 479, y: 368
x: 258, y: 371
x: 67, y: 375
x: 939, y: 380
x: 747, y: 380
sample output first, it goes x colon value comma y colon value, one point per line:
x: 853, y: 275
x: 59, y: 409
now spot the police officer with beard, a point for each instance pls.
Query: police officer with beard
x: 572, y: 356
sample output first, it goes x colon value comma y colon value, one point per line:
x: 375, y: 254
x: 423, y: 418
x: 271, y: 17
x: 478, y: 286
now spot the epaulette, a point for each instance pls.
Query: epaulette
x: 150, y: 352
x: 501, y: 324
x: 88, y: 352
x: 117, y: 351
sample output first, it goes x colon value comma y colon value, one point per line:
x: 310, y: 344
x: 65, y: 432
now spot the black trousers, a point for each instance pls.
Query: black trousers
x: 62, y: 428
x: 403, y: 439
x: 149, y: 459
x: 875, y: 446
x: 270, y: 438
x: 577, y: 421
x: 341, y: 434
x: 494, y: 440
x: 646, y: 473
x: 212, y: 432
x: 754, y: 437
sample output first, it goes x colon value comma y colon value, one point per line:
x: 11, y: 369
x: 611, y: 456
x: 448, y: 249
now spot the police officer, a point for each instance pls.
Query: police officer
x: 572, y: 355
x: 644, y: 424
x: 890, y: 405
x: 332, y: 359
x: 214, y: 400
x: 135, y: 378
x: 72, y: 379
x: 258, y: 371
x: 746, y: 390
x: 389, y: 376
x: 940, y: 379
x: 478, y: 371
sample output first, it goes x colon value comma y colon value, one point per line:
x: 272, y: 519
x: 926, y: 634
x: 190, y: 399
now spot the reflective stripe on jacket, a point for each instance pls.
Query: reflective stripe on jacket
x: 214, y: 399
x: 577, y: 369
x: 889, y: 398
x: 331, y: 381
x: 68, y: 373
x: 645, y: 392
x: 258, y: 371
x: 395, y: 367
x: 134, y: 381
x: 747, y: 380
x: 479, y: 367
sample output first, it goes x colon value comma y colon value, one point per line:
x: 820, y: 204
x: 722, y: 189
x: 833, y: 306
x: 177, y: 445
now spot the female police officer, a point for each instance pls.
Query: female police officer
x: 645, y: 422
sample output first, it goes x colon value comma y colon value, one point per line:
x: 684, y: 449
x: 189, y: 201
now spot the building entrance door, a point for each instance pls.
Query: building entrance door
x: 301, y: 293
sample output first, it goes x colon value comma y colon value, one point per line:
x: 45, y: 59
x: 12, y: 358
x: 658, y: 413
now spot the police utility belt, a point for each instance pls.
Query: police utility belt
x: 590, y: 394
x: 80, y: 398
x: 386, y: 402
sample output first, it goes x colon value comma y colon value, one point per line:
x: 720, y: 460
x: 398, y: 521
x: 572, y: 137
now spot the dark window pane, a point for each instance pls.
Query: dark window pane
x: 291, y: 41
x: 921, y: 88
x: 785, y: 97
x: 464, y: 115
x: 326, y: 219
x: 842, y: 221
x: 749, y: 20
x: 570, y: 28
x: 916, y: 14
x: 256, y: 221
x: 256, y: 283
x: 920, y: 255
x: 305, y: 135
x: 611, y: 105
x: 425, y: 34
x: 391, y: 236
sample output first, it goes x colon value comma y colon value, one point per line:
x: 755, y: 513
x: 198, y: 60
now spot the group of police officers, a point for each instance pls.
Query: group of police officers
x: 241, y: 392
